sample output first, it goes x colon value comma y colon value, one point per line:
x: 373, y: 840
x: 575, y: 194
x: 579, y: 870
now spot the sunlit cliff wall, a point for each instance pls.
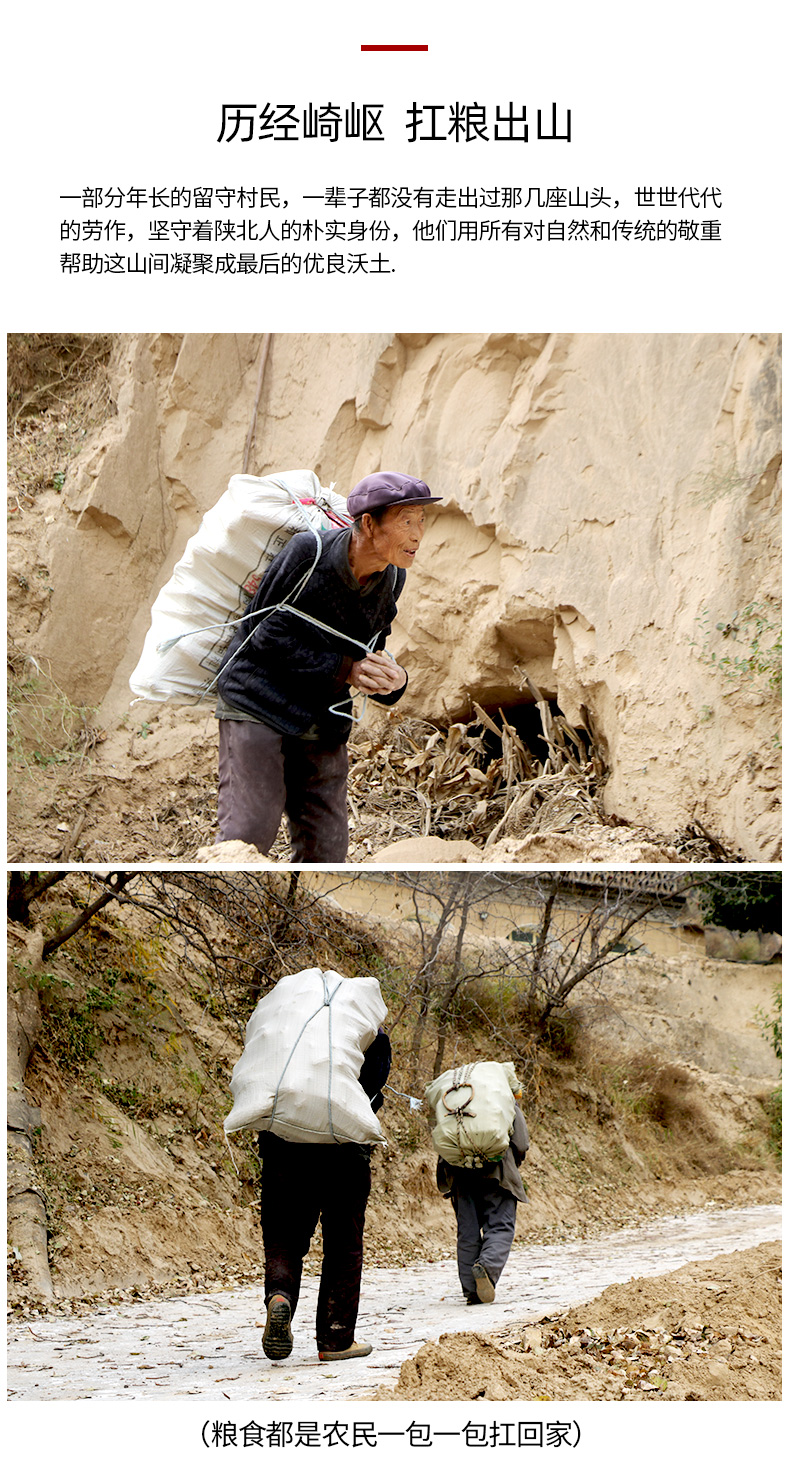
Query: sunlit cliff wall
x: 607, y: 501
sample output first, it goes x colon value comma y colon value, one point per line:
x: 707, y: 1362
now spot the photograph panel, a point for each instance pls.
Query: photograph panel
x: 469, y: 598
x: 492, y: 1135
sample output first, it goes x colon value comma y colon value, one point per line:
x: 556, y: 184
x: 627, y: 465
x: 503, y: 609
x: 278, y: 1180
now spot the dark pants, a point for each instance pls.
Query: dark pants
x: 486, y: 1216
x: 302, y: 1182
x: 263, y: 774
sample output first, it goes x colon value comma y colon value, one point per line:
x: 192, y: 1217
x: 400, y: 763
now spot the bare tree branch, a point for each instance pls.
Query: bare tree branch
x: 112, y: 893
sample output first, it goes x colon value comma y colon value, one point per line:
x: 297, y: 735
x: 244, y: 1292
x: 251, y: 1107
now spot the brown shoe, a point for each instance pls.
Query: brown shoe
x: 277, y: 1336
x: 357, y: 1350
x: 483, y: 1282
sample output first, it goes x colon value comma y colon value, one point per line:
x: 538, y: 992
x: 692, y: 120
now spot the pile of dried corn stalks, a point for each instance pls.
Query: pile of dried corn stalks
x: 443, y: 781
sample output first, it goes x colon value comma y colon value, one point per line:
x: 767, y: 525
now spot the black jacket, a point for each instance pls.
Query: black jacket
x: 376, y: 1067
x: 287, y: 672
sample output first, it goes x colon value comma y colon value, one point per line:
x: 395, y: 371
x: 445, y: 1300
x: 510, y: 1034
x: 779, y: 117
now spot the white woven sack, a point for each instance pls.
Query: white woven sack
x: 218, y: 574
x: 303, y: 1051
x: 474, y: 1106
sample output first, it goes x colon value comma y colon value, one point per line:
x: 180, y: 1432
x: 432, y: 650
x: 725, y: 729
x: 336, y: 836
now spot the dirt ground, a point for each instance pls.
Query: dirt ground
x: 427, y: 1344
x: 709, y: 1331
x: 145, y: 791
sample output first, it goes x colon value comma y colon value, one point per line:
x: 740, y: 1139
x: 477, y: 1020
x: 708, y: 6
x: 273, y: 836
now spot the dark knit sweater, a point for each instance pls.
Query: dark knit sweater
x: 286, y: 672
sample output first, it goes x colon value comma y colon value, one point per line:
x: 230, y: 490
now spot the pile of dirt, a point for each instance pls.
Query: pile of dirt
x: 710, y: 1331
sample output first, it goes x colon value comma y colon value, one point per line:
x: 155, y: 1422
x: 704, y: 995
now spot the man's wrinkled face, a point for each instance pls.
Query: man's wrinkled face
x: 396, y: 539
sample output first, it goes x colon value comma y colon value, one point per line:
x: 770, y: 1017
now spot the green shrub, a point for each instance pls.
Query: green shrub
x: 746, y: 647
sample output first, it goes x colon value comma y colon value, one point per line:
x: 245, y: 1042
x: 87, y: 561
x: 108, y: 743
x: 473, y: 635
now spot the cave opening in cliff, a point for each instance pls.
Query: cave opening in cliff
x: 525, y: 719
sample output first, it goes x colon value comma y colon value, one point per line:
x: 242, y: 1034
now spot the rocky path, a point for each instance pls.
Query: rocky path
x: 208, y: 1346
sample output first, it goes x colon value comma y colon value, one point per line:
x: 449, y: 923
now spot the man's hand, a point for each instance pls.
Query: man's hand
x: 377, y: 675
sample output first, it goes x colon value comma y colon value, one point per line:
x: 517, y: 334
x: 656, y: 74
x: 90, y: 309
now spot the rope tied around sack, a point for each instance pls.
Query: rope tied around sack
x: 327, y: 1004
x: 462, y: 1113
x: 462, y: 1110
x: 286, y: 605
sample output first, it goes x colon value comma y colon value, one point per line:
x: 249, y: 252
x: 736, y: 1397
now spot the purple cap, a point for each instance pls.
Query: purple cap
x: 378, y: 490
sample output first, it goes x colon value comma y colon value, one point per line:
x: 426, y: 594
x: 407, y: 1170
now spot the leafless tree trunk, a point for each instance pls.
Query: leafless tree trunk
x: 26, y: 886
x: 454, y: 981
x: 428, y: 971
x: 597, y: 937
x: 111, y: 894
x: 540, y: 950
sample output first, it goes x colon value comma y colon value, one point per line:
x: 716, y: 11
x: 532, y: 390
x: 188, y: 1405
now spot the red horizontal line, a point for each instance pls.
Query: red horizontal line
x: 393, y: 48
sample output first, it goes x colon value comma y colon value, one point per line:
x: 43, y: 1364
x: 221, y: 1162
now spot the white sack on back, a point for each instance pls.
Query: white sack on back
x: 303, y: 1051
x: 218, y: 574
x: 474, y: 1106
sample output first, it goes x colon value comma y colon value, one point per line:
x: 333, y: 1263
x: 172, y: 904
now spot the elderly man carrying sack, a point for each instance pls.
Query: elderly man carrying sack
x: 284, y: 706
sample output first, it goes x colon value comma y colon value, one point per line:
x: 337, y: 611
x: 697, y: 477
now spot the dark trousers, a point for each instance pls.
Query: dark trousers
x: 263, y: 774
x: 302, y: 1182
x: 486, y: 1217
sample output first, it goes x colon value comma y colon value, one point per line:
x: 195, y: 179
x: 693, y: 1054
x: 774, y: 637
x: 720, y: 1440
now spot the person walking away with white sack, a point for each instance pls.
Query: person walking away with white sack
x: 481, y: 1137
x: 300, y: 1184
x: 313, y: 630
x: 485, y: 1201
x: 309, y: 1082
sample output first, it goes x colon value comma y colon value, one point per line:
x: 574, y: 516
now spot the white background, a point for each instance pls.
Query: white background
x: 681, y: 93
x: 677, y: 93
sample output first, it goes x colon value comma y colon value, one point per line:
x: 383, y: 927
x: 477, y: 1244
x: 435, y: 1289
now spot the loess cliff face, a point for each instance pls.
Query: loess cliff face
x: 611, y: 503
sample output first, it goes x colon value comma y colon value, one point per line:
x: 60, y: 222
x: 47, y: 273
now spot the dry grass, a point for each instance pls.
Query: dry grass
x: 660, y: 1106
x: 424, y: 777
x: 443, y: 780
x: 58, y: 392
x: 43, y: 725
